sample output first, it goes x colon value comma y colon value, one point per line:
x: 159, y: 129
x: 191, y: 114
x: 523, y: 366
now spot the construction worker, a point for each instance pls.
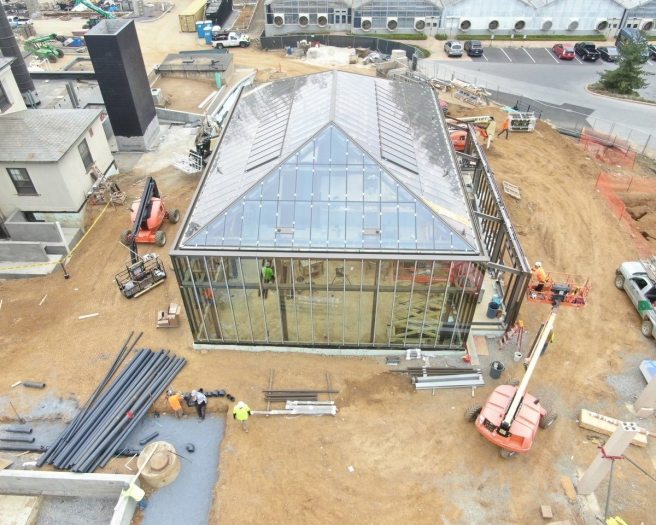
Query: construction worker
x: 505, y: 127
x: 267, y: 277
x: 175, y: 402
x: 201, y: 402
x: 241, y: 412
x: 491, y: 131
x: 539, y: 275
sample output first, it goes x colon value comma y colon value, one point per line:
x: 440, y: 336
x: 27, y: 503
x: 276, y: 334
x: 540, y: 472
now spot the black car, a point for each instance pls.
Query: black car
x: 652, y: 52
x: 586, y: 51
x: 474, y: 48
x: 609, y: 54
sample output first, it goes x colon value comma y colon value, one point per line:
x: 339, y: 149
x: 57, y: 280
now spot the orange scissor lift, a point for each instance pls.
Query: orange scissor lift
x: 511, y: 416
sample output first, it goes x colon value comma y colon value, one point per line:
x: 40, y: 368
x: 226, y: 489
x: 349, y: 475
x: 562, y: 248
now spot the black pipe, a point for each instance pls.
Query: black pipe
x: 18, y: 439
x: 24, y: 448
x: 19, y: 430
x: 81, y: 414
x: 166, y: 380
x: 164, y: 384
x: 153, y: 389
x: 113, y: 423
x: 148, y: 438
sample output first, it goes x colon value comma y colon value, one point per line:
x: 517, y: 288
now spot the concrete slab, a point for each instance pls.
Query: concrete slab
x: 19, y: 510
x: 188, y: 499
x: 57, y: 510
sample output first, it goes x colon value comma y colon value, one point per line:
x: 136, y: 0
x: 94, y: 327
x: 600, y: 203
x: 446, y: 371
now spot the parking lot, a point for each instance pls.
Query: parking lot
x: 532, y: 55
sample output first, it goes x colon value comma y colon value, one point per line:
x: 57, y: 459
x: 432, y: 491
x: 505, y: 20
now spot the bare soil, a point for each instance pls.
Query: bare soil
x: 184, y: 94
x: 391, y: 455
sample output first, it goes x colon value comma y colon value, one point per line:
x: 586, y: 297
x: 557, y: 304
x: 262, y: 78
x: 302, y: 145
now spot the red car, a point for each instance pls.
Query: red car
x: 563, y: 52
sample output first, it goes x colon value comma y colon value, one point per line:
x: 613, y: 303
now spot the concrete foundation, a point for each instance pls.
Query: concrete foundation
x: 146, y: 142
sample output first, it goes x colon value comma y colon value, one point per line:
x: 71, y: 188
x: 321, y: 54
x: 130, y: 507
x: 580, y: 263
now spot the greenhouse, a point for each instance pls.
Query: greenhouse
x: 332, y: 213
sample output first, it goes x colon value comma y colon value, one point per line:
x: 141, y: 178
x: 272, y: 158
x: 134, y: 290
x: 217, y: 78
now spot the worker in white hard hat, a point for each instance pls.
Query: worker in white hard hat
x: 241, y: 412
x: 539, y: 276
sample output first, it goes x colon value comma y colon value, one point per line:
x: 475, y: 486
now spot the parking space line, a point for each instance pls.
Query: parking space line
x: 529, y: 55
x: 549, y: 52
x: 576, y: 58
x: 501, y: 49
x: 483, y: 55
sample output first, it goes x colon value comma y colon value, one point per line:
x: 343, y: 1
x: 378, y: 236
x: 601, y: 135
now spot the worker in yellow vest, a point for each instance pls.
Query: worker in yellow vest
x: 241, y: 412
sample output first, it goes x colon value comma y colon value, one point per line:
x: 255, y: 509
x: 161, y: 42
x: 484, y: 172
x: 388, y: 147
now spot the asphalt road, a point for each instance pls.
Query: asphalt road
x: 556, y: 88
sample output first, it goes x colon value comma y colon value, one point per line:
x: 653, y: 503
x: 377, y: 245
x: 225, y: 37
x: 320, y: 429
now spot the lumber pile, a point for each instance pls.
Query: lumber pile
x: 606, y: 425
x: 169, y: 318
x: 428, y: 378
x: 302, y: 408
x: 113, y: 410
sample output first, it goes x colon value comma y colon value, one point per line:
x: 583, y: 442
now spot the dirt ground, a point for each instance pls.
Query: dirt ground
x: 392, y: 455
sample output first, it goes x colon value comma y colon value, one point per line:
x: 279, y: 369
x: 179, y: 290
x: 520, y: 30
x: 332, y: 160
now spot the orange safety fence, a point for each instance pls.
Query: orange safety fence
x: 607, y: 148
x: 610, y: 186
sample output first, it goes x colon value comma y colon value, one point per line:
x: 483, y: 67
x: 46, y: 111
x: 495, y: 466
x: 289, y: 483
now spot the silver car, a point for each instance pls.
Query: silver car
x: 453, y: 48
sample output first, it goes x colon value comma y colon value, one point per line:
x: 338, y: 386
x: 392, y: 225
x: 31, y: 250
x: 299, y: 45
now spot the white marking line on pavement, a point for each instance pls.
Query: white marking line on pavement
x: 483, y: 55
x: 501, y: 49
x: 529, y: 55
x: 576, y: 58
x: 550, y: 53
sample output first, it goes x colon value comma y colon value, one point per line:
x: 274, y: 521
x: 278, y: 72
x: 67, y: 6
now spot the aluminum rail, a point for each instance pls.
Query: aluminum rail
x: 545, y: 332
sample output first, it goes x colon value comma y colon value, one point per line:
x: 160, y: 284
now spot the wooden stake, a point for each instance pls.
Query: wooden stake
x: 42, y: 300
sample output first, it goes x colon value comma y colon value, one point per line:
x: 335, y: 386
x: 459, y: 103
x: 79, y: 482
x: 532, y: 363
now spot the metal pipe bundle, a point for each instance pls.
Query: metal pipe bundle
x: 97, y: 432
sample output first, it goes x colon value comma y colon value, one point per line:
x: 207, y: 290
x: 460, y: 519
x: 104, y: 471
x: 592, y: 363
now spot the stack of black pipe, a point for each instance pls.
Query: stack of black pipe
x: 96, y: 433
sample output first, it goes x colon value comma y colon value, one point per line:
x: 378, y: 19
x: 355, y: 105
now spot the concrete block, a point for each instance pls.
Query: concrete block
x: 26, y: 482
x: 19, y: 510
x: 546, y: 512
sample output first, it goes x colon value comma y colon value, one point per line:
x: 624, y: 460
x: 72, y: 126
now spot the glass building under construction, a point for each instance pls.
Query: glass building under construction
x: 332, y: 214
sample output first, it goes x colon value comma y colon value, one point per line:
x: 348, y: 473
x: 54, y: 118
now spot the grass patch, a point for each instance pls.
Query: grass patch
x: 441, y: 36
x: 422, y: 52
x: 401, y: 36
x: 598, y: 88
x: 546, y: 38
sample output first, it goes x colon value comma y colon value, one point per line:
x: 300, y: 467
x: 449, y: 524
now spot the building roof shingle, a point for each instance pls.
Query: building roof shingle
x: 42, y: 135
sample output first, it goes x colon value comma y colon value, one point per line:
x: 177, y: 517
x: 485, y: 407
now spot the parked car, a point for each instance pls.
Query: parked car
x: 563, y: 52
x: 609, y: 53
x: 587, y: 51
x: 638, y: 280
x: 652, y: 52
x: 453, y: 48
x: 474, y: 48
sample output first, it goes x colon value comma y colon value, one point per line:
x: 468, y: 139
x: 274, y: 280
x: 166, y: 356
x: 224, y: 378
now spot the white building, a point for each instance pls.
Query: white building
x: 10, y: 96
x: 459, y: 17
x: 49, y: 160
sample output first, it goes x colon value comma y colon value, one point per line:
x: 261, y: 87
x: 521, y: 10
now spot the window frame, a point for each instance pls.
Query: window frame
x: 87, y: 166
x: 5, y: 103
x: 22, y: 188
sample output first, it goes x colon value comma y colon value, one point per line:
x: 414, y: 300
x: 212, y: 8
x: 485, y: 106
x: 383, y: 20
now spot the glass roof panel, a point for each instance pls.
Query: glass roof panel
x: 319, y: 198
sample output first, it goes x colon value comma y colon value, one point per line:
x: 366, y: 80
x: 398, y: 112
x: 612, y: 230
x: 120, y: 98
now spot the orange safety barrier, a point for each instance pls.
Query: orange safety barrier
x: 610, y: 185
x: 560, y: 289
x: 607, y: 148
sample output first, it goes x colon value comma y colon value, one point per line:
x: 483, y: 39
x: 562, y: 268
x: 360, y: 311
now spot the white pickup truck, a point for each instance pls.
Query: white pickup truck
x: 230, y: 39
x: 17, y: 21
x: 638, y: 280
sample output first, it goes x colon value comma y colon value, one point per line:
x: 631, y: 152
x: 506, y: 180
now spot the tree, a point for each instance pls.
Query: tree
x: 629, y: 76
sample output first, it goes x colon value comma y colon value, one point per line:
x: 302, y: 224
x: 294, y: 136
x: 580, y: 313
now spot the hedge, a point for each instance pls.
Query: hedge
x: 586, y: 38
x: 410, y: 36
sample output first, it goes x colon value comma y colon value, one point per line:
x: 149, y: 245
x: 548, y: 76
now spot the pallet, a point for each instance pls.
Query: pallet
x: 512, y: 190
x: 606, y: 425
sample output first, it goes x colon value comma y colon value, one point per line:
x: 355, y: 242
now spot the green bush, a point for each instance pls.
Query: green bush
x: 441, y: 36
x: 422, y: 52
x: 409, y: 36
x: 546, y: 38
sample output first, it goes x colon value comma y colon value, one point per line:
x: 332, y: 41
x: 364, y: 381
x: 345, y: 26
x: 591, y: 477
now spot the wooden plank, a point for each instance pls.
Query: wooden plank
x: 19, y: 510
x: 569, y: 489
x: 481, y: 345
x: 606, y: 425
x: 512, y: 190
x: 4, y: 463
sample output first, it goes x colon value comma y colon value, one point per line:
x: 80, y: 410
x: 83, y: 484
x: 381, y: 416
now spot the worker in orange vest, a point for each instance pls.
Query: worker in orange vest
x: 175, y: 399
x: 539, y: 275
x: 505, y: 127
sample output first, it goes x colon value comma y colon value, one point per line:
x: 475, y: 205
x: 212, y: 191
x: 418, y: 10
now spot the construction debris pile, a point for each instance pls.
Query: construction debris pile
x: 112, y: 411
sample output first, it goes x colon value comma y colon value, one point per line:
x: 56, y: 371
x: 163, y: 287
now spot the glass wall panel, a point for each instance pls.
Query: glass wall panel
x: 303, y: 270
x: 285, y: 295
x: 219, y: 269
x: 401, y: 302
x: 417, y: 326
x: 386, y: 285
x: 269, y: 294
x: 353, y: 287
x: 239, y: 303
x: 319, y: 301
x: 336, y: 291
x: 251, y: 272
